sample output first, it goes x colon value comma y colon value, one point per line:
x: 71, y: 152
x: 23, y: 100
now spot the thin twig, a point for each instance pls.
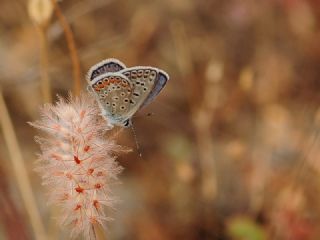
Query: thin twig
x: 19, y: 169
x: 72, y: 48
x: 45, y: 79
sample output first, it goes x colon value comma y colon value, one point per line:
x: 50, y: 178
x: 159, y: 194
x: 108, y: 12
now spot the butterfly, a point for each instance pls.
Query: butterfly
x: 122, y: 91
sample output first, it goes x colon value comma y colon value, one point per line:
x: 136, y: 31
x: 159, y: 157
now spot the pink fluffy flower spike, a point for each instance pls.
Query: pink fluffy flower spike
x: 77, y: 162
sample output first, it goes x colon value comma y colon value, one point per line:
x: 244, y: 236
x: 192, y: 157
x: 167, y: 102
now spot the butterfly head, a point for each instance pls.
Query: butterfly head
x: 127, y: 123
x: 116, y: 121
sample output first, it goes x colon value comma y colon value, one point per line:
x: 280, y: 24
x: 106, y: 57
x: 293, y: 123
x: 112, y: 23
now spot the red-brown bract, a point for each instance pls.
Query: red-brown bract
x: 77, y: 162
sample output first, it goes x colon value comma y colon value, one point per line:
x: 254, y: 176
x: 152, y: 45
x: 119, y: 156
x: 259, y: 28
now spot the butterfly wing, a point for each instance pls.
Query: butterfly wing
x: 114, y: 93
x: 107, y: 65
x: 147, y: 82
x: 160, y: 82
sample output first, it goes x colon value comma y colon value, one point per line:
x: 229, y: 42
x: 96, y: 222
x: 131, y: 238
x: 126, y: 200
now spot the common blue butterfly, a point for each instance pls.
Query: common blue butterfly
x: 122, y: 91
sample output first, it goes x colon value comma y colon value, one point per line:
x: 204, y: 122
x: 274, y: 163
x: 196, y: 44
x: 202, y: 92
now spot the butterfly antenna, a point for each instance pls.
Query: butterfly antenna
x: 136, y: 140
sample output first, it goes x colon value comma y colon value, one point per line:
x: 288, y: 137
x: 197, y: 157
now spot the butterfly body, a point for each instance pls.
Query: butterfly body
x: 122, y: 91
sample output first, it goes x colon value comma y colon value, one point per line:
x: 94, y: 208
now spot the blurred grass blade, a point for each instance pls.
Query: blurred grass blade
x: 19, y: 169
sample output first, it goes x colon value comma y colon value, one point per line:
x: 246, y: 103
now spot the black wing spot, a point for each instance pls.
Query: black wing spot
x: 122, y: 107
x: 140, y: 72
x: 136, y: 94
x: 126, y: 100
x: 144, y: 89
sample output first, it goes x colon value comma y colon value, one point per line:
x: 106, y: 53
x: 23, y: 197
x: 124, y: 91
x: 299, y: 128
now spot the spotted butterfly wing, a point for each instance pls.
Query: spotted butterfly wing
x: 147, y: 82
x: 107, y: 65
x: 113, y: 92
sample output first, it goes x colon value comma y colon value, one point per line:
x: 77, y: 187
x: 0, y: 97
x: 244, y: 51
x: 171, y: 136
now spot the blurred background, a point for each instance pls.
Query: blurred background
x: 232, y: 149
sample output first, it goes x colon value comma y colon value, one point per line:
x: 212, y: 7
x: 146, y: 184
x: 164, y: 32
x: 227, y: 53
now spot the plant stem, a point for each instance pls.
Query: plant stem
x: 19, y: 169
x: 72, y: 48
x: 45, y: 79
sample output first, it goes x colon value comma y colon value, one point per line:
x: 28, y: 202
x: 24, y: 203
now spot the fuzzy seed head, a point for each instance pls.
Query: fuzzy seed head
x: 77, y: 162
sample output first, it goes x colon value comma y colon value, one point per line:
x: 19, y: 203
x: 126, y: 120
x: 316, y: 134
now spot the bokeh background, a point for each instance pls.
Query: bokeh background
x: 231, y: 149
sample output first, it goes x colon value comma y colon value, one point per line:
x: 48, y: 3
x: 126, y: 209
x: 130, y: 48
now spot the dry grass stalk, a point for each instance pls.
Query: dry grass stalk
x: 40, y: 12
x: 45, y: 79
x: 72, y: 48
x: 19, y: 169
